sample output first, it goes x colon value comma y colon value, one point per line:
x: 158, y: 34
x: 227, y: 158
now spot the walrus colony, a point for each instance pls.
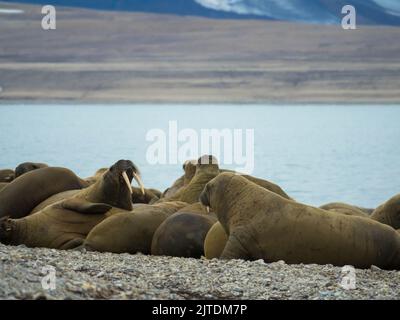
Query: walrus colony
x: 208, y: 211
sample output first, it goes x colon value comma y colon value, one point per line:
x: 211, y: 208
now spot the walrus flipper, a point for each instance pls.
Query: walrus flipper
x: 84, y: 206
x: 234, y: 249
x: 72, y: 244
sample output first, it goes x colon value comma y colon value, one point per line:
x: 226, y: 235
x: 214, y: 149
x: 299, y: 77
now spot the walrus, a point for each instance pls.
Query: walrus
x: 189, y: 167
x: 23, y: 194
x: 65, y: 224
x: 182, y: 235
x: 7, y: 175
x: 263, y: 225
x: 215, y: 241
x: 388, y: 212
x: 206, y: 169
x: 262, y: 183
x: 28, y: 166
x: 149, y: 196
x: 344, y: 208
x: 197, y: 208
x: 130, y: 232
x: 98, y: 174
x: 3, y: 185
x: 55, y: 198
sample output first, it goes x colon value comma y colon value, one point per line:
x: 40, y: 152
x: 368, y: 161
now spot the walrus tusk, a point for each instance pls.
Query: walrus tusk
x: 128, y: 184
x: 139, y: 181
x: 208, y: 209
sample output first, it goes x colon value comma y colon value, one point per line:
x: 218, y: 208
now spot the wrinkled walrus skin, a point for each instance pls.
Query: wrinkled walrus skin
x: 130, y: 232
x: 182, y: 235
x: 344, y: 208
x: 23, y: 194
x: 263, y: 225
x: 262, y: 183
x: 389, y: 212
x: 65, y: 224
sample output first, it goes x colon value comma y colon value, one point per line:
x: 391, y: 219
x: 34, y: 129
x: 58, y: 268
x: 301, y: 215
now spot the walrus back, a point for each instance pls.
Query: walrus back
x: 22, y: 195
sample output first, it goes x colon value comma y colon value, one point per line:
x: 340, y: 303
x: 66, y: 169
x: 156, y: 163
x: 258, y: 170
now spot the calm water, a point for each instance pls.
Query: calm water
x: 317, y: 154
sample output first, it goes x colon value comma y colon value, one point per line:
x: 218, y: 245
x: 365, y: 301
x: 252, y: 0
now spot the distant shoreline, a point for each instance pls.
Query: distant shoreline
x: 130, y: 58
x: 194, y: 103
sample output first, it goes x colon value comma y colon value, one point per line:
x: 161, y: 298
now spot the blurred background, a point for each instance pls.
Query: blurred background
x: 243, y: 51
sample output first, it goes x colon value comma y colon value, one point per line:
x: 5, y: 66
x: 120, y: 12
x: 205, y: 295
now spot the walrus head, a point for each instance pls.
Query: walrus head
x: 220, y: 193
x: 389, y: 212
x: 213, y: 188
x: 207, y: 164
x: 114, y: 187
x: 190, y: 169
x: 28, y: 166
x: 207, y: 160
x: 7, y: 175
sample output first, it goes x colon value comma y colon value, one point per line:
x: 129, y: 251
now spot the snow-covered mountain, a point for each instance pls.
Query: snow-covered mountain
x: 383, y: 12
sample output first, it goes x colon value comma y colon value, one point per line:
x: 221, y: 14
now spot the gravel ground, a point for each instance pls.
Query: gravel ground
x: 89, y: 275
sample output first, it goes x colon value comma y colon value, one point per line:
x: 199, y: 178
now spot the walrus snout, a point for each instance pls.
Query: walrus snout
x: 204, y: 199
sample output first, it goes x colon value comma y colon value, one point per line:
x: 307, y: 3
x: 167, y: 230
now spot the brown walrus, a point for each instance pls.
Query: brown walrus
x: 93, y: 179
x: 189, y: 167
x: 388, y: 212
x: 130, y: 232
x: 262, y: 183
x: 182, y: 235
x: 3, y: 185
x: 28, y: 166
x: 263, y: 225
x: 344, y: 208
x: 149, y: 196
x: 7, y: 175
x: 23, y: 194
x: 139, y: 195
x: 196, y: 207
x: 65, y: 224
x: 55, y: 198
x: 206, y: 169
x: 215, y: 241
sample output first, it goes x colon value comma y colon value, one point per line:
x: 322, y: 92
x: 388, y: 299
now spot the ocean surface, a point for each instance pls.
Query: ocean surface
x: 317, y: 154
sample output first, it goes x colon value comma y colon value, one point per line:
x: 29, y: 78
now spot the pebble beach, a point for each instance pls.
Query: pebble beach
x: 92, y: 275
